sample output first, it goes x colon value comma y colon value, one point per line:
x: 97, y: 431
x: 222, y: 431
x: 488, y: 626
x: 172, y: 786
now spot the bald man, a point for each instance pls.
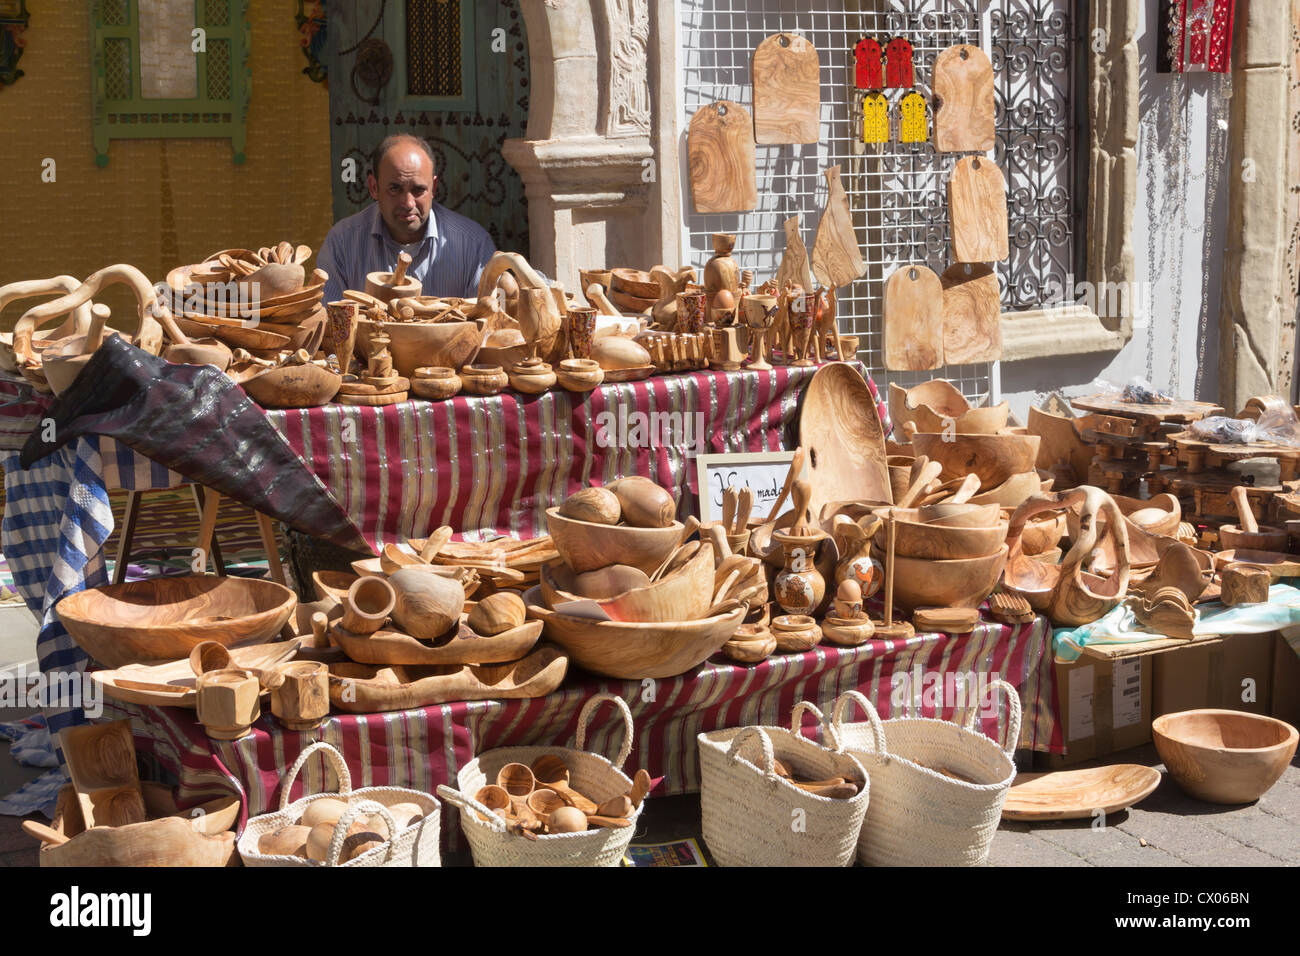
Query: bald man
x: 448, y: 251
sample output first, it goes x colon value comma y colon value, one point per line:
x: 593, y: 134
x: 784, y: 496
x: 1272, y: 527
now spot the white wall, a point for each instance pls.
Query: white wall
x: 1171, y: 331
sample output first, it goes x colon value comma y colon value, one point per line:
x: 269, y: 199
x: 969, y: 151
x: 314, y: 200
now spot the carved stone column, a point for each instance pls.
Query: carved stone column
x: 598, y: 191
x: 1256, y: 338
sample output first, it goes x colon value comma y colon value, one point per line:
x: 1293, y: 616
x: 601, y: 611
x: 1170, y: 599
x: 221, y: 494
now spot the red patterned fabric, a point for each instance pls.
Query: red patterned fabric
x: 424, y: 747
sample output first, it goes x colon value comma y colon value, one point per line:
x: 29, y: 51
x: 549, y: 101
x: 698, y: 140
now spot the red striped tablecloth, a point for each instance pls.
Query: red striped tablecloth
x: 488, y: 466
x: 424, y: 747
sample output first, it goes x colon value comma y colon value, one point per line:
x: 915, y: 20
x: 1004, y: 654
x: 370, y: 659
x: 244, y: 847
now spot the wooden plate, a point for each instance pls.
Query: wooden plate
x: 1077, y: 794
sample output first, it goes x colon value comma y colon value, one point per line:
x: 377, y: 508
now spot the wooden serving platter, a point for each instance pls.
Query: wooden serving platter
x: 913, y: 308
x: 972, y: 313
x: 1078, y: 794
x: 720, y: 145
x: 787, y: 90
x: 388, y: 647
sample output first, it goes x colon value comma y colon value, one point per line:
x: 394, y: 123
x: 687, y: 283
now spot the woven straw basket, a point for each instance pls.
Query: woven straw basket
x: 753, y: 817
x: 919, y: 816
x: 417, y: 845
x: 590, y: 774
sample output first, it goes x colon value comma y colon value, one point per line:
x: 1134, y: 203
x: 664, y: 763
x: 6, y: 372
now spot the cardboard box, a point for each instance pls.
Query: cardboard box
x: 1105, y: 706
x: 1233, y: 672
x: 1286, y: 682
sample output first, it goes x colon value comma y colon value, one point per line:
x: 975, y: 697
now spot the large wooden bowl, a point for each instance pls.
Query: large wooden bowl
x: 995, y: 458
x: 161, y: 619
x: 1224, y: 756
x: 932, y: 405
x: 416, y: 344
x: 936, y: 542
x: 686, y: 593
x: 586, y: 546
x: 293, y: 386
x: 637, y: 651
x: 840, y: 430
x: 964, y: 582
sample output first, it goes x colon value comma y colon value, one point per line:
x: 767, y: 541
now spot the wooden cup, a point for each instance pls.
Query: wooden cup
x: 302, y: 698
x: 228, y: 702
x: 1245, y: 584
x: 368, y: 603
x: 341, y: 331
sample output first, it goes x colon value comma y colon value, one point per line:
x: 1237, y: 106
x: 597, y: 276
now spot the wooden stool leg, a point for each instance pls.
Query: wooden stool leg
x: 267, y: 528
x: 213, y: 547
x: 207, y: 520
x: 128, y: 532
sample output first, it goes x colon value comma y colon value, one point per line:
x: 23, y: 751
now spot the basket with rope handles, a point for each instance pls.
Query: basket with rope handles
x: 590, y: 774
x: 752, y: 816
x: 414, y: 845
x: 937, y: 788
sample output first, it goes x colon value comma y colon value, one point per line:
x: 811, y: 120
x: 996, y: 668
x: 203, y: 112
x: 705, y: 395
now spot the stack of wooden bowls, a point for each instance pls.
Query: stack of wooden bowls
x: 944, y: 555
x: 261, y: 301
x: 1004, y: 462
x: 626, y: 598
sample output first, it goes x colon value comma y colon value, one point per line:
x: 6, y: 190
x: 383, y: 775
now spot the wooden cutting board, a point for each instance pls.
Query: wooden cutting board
x: 836, y: 259
x: 794, y: 269
x: 721, y: 149
x: 963, y: 100
x: 913, y: 320
x: 787, y: 90
x: 977, y: 210
x: 972, y: 311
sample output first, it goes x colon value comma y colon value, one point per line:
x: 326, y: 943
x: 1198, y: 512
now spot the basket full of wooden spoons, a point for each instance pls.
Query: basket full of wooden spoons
x: 551, y: 806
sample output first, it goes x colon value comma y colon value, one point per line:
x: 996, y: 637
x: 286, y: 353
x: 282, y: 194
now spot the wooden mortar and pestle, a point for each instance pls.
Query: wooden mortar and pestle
x: 1249, y: 534
x: 387, y: 286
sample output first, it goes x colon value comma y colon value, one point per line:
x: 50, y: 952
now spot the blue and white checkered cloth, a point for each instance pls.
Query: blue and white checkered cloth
x: 60, y: 507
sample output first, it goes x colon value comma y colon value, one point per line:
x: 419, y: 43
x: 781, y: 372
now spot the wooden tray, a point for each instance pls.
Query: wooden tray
x: 365, y: 689
x: 1078, y: 794
x: 173, y: 684
x: 388, y: 647
x: 1181, y: 412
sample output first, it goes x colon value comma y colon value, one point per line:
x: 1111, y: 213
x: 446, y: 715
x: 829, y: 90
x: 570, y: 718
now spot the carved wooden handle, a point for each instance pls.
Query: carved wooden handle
x: 403, y: 263
x: 1244, y: 514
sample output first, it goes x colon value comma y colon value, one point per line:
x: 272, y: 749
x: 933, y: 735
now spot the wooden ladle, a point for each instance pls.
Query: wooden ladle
x: 551, y: 771
x: 209, y: 656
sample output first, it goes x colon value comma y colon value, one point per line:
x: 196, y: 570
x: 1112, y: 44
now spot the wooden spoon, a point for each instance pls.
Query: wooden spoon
x: 966, y: 490
x: 796, y: 466
x: 920, y: 480
x: 551, y: 771
x: 744, y: 509
x: 641, y: 784
x: 516, y: 779
x: 619, y: 806
x: 436, y: 542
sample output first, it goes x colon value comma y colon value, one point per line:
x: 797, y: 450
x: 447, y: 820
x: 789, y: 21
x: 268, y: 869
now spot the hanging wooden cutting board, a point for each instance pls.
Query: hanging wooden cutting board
x: 913, y: 320
x: 977, y: 210
x: 794, y: 269
x: 787, y: 90
x: 721, y: 149
x: 836, y: 259
x: 972, y: 310
x: 963, y: 100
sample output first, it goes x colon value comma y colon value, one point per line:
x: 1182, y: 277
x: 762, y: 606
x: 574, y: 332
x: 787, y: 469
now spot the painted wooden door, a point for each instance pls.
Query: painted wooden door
x: 452, y: 72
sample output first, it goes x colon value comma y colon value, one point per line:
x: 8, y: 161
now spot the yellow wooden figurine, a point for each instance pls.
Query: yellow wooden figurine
x: 875, y: 118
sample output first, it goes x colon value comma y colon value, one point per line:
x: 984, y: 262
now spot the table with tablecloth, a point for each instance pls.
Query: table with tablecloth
x: 933, y: 675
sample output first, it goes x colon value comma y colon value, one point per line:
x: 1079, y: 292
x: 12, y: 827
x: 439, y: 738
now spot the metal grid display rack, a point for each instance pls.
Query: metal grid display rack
x: 898, y: 192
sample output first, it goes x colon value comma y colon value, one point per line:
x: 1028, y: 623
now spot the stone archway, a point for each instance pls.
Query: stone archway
x: 599, y: 158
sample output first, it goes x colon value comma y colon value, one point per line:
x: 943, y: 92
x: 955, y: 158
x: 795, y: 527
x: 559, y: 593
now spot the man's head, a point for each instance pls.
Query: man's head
x: 402, y: 181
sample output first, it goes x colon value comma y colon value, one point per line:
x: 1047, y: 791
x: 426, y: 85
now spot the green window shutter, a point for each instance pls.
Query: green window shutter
x: 222, y: 76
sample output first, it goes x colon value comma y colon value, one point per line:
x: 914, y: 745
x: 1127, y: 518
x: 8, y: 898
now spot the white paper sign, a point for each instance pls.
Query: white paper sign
x: 764, y: 471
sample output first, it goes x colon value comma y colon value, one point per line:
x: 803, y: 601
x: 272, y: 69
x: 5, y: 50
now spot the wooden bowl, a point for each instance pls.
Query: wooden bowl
x: 636, y: 651
x: 417, y: 344
x: 958, y: 516
x: 161, y: 619
x: 964, y: 582
x: 949, y: 405
x: 586, y: 546
x: 1232, y: 537
x: 1043, y: 533
x: 633, y: 282
x: 684, y: 594
x: 1013, y: 492
x: 1224, y: 756
x: 435, y: 383
x: 936, y: 542
x: 995, y: 458
x: 293, y: 386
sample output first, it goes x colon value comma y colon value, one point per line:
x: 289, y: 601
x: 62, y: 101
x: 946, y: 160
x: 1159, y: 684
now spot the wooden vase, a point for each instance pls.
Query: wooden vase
x: 799, y: 587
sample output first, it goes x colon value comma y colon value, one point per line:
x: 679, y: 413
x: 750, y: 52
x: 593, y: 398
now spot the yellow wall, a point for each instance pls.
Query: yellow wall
x: 158, y: 203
